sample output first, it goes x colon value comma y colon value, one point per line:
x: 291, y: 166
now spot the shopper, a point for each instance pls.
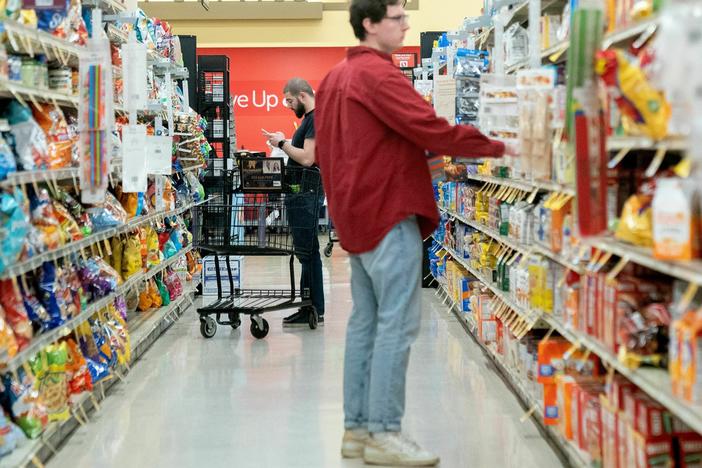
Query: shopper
x: 302, y: 214
x: 372, y: 133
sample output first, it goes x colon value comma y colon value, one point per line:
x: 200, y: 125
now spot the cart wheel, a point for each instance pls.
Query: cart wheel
x: 235, y: 320
x: 328, y: 250
x: 257, y: 332
x: 313, y: 318
x: 208, y: 327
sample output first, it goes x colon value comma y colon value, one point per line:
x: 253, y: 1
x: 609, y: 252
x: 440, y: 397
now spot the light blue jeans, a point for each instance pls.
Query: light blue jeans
x: 386, y: 288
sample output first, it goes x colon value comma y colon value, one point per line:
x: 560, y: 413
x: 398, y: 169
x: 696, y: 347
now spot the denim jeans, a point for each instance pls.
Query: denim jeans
x: 303, y: 212
x: 386, y: 288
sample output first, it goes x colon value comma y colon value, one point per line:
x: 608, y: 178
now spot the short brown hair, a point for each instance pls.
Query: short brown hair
x: 295, y: 86
x: 375, y: 10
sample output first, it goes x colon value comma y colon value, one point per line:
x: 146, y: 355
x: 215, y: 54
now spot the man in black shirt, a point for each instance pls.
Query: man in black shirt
x: 299, y: 97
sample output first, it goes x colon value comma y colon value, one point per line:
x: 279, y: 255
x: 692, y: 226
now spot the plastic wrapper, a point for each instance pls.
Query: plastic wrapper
x: 35, y: 309
x: 46, y: 220
x: 145, y: 300
x: 14, y: 228
x: 169, y: 249
x: 7, y: 159
x: 49, y: 19
x: 471, y: 63
x: 10, y: 435
x: 173, y: 283
x: 8, y: 342
x: 120, y: 307
x: 103, y: 343
x: 76, y: 209
x: 98, y: 277
x: 73, y: 27
x: 120, y: 342
x: 30, y: 141
x: 50, y: 296
x: 153, y: 256
x: 97, y: 363
x: 49, y: 367
x: 78, y: 375
x: 644, y: 332
x: 131, y: 258
x: 636, y: 222
x: 67, y: 222
x: 133, y: 203
x: 196, y: 188
x: 117, y: 253
x: 176, y: 237
x: 132, y: 299
x: 163, y: 291
x: 15, y: 313
x: 21, y: 398
x: 108, y: 215
x: 78, y: 293
x: 59, y: 140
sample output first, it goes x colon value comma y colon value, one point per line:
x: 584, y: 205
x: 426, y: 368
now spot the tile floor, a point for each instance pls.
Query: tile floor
x: 233, y: 401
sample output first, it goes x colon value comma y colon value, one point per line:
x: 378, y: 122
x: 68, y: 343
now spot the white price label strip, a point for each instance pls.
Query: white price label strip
x: 158, y: 154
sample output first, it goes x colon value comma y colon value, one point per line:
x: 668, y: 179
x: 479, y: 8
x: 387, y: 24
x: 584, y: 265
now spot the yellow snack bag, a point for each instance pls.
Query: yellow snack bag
x: 131, y: 258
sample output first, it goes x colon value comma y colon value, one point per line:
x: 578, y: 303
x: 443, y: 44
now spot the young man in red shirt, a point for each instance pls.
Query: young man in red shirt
x: 372, y: 133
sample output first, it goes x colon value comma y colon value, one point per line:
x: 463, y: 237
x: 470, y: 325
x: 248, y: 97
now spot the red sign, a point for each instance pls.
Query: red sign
x: 403, y: 60
x: 258, y: 76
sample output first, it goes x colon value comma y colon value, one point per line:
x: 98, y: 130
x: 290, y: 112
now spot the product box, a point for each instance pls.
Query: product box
x: 653, y: 452
x: 487, y: 330
x: 610, y: 434
x: 565, y: 384
x: 614, y: 291
x: 209, y: 274
x: 652, y: 419
x: 689, y: 451
x: 551, y: 413
x: 593, y: 427
x: 550, y: 358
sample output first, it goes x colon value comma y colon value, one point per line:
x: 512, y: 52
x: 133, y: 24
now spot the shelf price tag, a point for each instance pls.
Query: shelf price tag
x: 158, y: 154
x: 134, y: 177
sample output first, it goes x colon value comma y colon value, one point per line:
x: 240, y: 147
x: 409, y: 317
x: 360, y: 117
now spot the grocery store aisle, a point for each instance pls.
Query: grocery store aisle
x: 233, y: 401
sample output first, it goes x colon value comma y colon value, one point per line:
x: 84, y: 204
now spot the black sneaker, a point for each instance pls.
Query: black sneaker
x: 300, y: 319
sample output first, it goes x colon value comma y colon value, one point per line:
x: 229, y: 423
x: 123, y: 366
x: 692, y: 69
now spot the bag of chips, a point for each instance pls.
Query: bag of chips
x: 49, y: 367
x: 7, y: 159
x: 10, y: 435
x: 50, y: 296
x: 46, y: 220
x: 60, y: 143
x: 30, y: 141
x: 145, y: 301
x: 21, y: 398
x: 172, y: 282
x: 35, y: 310
x: 77, y: 211
x: 636, y: 222
x: 108, y: 215
x: 15, y: 314
x: 14, y: 228
x: 131, y: 258
x: 155, y: 294
x: 97, y: 365
x: 68, y: 224
x: 98, y: 278
x: 8, y: 342
x: 79, y: 380
x: 153, y: 255
x: 132, y: 299
x: 163, y: 290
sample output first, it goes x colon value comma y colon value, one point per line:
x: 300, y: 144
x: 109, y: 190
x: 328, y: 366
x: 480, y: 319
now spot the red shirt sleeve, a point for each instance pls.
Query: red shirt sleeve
x: 396, y: 103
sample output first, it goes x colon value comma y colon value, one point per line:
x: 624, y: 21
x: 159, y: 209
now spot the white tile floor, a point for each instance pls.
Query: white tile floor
x: 233, y: 401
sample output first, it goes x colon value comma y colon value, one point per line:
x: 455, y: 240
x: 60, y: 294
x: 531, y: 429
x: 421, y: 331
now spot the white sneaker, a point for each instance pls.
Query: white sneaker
x: 354, y: 442
x: 393, y: 448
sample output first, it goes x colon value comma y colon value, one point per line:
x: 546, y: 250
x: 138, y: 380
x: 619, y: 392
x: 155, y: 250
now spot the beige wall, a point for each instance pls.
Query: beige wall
x: 332, y: 31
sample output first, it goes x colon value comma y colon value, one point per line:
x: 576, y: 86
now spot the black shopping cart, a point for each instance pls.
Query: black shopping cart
x: 333, y: 239
x: 272, y: 212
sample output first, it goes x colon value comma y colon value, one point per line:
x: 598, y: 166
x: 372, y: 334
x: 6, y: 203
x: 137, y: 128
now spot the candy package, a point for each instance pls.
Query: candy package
x: 30, y: 141
x: 98, y: 277
x: 21, y: 398
x: 131, y: 257
x: 49, y: 367
x: 15, y: 313
x: 79, y: 380
x: 110, y: 214
x: 181, y: 268
x: 14, y: 228
x: 8, y: 342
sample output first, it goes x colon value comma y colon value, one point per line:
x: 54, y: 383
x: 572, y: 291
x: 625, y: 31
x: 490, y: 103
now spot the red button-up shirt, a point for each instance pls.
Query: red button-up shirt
x: 372, y: 129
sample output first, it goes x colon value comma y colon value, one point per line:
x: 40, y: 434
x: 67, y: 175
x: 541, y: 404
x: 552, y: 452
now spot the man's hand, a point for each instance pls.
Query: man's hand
x: 511, y: 150
x: 274, y: 138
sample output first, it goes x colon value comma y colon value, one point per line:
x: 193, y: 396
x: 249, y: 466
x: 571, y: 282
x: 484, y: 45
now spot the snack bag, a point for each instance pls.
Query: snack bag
x: 119, y: 306
x: 132, y: 300
x: 98, y: 278
x: 153, y: 256
x: 7, y: 159
x: 79, y: 380
x: 15, y: 314
x: 108, y: 215
x: 68, y: 224
x: 8, y: 342
x: 97, y: 365
x: 49, y: 295
x: 78, y: 294
x: 155, y: 294
x: 145, y: 302
x: 77, y: 211
x: 21, y: 398
x: 131, y: 258
x: 163, y: 290
x: 35, y: 310
x: 15, y: 228
x: 10, y: 435
x: 49, y: 367
x: 120, y: 336
x: 46, y: 220
x: 117, y: 247
x: 172, y: 282
x: 636, y: 222
x: 30, y: 141
x: 60, y: 142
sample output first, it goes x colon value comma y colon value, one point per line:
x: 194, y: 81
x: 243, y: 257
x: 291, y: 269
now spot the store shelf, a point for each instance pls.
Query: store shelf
x: 74, y: 248
x: 10, y: 89
x: 527, y: 186
x: 514, y: 245
x: 40, y: 342
x: 150, y: 325
x: 30, y: 177
x: 616, y: 143
x: 690, y: 271
x: 528, y: 400
x: 30, y: 41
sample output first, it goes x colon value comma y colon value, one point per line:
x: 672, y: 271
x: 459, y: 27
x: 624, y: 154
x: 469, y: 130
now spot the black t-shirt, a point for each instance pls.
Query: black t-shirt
x: 304, y: 132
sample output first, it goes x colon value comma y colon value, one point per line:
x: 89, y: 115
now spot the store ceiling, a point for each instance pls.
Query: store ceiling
x: 246, y: 9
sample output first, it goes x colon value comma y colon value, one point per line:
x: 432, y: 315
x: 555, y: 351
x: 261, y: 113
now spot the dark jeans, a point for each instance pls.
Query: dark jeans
x: 303, y: 212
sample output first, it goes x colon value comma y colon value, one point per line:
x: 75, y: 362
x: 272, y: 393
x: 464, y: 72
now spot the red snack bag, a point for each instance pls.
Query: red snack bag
x: 15, y: 313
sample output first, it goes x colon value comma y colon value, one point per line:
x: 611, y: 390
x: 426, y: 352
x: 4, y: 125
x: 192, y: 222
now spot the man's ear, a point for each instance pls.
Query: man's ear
x: 368, y: 25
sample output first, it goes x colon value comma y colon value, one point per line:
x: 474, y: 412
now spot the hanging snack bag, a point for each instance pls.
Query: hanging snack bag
x: 8, y: 164
x: 15, y: 228
x: 117, y: 248
x: 98, y: 278
x: 60, y: 143
x: 8, y: 342
x: 46, y: 220
x: 108, y: 215
x: 49, y: 295
x: 153, y: 256
x: 49, y: 367
x: 35, y: 310
x: 15, y: 313
x: 155, y: 294
x: 145, y: 301
x: 30, y: 141
x: 163, y: 290
x: 21, y: 398
x: 77, y: 211
x: 175, y: 287
x: 10, y: 435
x: 97, y: 364
x: 131, y: 258
x: 132, y: 299
x: 635, y: 224
x: 79, y: 380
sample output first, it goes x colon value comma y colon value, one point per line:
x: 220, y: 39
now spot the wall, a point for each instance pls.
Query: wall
x: 332, y: 31
x: 258, y: 76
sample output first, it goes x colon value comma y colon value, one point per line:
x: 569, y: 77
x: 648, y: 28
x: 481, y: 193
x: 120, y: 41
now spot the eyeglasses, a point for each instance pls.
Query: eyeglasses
x: 401, y: 19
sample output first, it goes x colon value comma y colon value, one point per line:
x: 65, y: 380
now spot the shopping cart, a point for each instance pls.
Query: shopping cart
x: 273, y: 212
x: 332, y: 239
